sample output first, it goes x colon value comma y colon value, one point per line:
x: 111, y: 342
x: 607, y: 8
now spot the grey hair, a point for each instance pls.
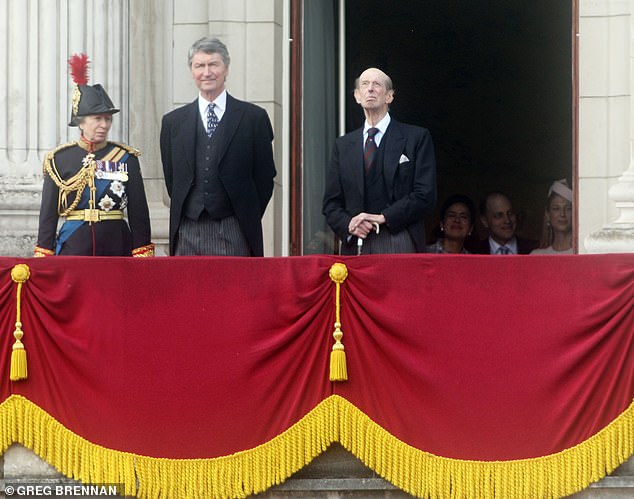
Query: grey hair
x: 208, y: 46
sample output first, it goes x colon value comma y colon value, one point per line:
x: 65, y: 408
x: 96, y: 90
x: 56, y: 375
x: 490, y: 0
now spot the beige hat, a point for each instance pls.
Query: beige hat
x: 561, y: 187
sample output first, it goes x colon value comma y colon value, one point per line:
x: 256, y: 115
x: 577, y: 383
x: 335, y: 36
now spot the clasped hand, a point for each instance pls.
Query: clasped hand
x: 364, y: 223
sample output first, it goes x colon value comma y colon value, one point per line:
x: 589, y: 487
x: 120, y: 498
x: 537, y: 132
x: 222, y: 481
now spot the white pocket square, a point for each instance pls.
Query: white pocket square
x: 402, y: 159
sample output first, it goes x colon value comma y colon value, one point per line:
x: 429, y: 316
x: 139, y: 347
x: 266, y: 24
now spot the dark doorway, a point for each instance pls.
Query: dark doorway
x: 493, y: 82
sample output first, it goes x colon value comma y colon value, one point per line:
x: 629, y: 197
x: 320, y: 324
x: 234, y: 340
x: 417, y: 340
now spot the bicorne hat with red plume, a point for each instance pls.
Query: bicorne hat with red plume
x: 87, y: 99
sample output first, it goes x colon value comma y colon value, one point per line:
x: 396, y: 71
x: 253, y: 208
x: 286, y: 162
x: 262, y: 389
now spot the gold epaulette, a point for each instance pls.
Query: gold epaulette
x: 49, y: 155
x: 130, y: 149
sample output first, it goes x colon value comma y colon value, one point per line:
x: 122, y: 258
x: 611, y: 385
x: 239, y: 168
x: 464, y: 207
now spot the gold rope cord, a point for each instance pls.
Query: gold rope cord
x: 338, y: 368
x: 77, y: 183
x: 19, y: 274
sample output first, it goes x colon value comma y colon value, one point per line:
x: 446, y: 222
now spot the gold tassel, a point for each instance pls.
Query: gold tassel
x: 20, y: 274
x: 338, y: 369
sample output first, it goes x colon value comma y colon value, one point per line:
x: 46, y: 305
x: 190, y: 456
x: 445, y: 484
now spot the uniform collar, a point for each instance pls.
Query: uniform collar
x: 89, y: 146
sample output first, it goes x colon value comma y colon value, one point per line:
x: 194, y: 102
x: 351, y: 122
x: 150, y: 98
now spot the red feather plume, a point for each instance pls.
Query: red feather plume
x: 79, y: 68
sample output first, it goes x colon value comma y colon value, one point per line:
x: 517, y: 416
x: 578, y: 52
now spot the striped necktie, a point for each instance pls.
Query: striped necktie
x: 369, y: 150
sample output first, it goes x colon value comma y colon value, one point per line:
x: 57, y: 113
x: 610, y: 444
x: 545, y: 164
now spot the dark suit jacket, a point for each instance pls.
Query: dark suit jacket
x: 245, y: 163
x: 409, y: 168
x: 524, y: 246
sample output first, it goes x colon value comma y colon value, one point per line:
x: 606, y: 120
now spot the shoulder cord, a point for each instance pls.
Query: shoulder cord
x: 77, y: 183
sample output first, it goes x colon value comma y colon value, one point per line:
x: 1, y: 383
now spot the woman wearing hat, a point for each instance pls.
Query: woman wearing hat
x: 92, y: 184
x: 557, y: 230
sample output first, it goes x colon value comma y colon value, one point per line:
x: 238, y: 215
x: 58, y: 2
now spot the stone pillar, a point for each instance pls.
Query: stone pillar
x: 604, y: 114
x: 618, y: 236
x: 150, y: 75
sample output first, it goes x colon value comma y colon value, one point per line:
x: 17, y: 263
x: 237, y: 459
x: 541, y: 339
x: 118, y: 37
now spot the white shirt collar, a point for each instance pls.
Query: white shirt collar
x: 220, y: 103
x: 511, y: 245
x: 381, y: 125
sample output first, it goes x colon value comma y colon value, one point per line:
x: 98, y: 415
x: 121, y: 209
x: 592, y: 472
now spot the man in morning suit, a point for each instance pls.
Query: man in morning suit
x: 382, y: 177
x: 498, y: 216
x: 218, y: 163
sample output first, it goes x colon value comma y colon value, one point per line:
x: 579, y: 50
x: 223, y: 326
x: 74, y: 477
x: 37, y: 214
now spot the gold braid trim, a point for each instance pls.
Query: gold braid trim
x: 333, y: 420
x: 76, y: 99
x: 144, y: 251
x: 42, y: 252
x: 51, y: 154
x: 76, y: 184
x: 130, y: 149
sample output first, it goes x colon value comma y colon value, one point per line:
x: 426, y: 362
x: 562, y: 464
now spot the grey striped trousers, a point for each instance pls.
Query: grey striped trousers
x: 384, y: 243
x: 207, y: 236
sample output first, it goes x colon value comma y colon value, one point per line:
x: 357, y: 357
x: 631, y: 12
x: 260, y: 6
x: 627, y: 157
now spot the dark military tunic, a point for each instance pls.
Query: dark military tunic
x: 118, y: 185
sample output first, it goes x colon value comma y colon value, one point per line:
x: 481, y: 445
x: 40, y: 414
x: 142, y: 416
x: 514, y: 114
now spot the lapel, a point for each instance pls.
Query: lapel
x: 227, y: 128
x: 353, y: 159
x: 187, y: 134
x: 394, y: 146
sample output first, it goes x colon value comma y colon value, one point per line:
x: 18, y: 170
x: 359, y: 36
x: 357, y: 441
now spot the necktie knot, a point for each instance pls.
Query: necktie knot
x: 212, y: 120
x: 504, y: 250
x: 372, y: 132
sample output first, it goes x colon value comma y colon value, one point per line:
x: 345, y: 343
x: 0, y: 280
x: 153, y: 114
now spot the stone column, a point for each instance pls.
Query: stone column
x: 150, y: 74
x: 618, y: 236
x: 604, y: 113
x: 29, y: 85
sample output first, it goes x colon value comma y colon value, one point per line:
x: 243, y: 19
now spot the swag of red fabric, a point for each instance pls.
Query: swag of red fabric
x: 467, y: 357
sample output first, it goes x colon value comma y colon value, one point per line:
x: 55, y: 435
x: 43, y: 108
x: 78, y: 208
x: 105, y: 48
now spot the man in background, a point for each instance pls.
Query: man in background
x: 499, y: 218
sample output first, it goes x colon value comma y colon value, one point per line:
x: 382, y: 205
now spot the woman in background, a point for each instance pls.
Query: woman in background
x: 457, y: 215
x: 557, y: 230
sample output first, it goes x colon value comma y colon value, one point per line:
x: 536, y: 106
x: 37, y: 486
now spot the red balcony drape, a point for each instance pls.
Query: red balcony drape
x: 192, y: 361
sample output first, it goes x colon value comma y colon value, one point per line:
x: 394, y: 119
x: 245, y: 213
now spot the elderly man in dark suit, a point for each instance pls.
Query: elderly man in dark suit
x: 382, y: 177
x: 218, y: 164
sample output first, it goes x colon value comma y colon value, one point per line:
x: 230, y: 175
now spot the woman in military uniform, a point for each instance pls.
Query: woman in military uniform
x: 92, y: 183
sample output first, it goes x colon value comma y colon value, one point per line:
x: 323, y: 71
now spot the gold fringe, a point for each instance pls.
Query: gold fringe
x: 333, y: 420
x: 19, y: 274
x: 338, y: 368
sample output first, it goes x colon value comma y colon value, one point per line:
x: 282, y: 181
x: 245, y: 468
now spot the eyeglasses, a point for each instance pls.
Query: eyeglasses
x: 460, y: 217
